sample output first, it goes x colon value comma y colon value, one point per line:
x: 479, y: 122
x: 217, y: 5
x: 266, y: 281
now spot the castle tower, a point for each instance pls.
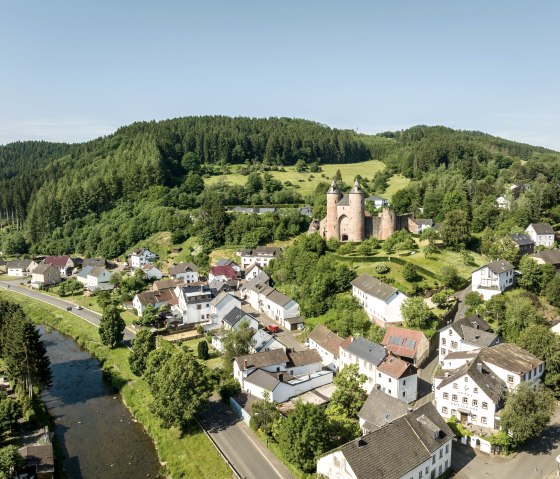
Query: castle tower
x: 333, y: 197
x: 356, y: 204
x: 388, y: 224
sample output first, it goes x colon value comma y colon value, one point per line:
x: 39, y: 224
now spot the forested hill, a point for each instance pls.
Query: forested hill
x: 102, y: 196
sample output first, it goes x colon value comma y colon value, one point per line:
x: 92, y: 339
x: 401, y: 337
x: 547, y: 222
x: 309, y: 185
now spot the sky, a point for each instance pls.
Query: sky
x: 73, y: 70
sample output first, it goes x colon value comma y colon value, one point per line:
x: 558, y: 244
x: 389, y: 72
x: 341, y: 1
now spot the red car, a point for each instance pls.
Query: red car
x: 273, y: 328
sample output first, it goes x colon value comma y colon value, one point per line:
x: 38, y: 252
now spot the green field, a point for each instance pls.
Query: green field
x: 396, y: 183
x: 189, y: 455
x: 306, y: 182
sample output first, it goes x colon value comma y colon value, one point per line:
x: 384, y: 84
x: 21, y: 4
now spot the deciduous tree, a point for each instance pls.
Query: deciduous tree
x: 111, y: 327
x: 142, y: 345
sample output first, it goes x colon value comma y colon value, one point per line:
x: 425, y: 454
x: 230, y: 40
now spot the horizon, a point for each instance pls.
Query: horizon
x: 77, y: 72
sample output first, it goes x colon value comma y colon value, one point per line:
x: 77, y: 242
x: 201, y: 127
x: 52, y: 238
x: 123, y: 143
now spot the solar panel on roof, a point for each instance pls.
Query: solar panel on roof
x: 396, y: 340
x: 411, y: 343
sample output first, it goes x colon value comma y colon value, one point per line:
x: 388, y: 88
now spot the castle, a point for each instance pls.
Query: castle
x: 347, y: 219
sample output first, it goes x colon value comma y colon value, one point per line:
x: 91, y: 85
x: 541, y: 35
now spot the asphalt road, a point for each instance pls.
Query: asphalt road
x: 536, y: 460
x: 91, y: 317
x: 242, y: 447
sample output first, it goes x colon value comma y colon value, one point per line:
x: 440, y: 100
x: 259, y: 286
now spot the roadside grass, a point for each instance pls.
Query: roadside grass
x: 305, y: 183
x: 396, y: 183
x: 189, y: 455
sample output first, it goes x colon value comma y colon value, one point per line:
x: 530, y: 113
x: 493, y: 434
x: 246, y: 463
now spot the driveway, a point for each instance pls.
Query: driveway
x: 460, y: 295
x: 537, y: 459
x: 88, y: 315
x: 245, y: 451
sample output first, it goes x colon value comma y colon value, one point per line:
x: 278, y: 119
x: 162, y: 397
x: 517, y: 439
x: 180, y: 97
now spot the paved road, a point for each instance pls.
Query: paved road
x: 91, y: 317
x: 425, y: 378
x: 460, y: 295
x: 240, y: 445
x: 537, y: 459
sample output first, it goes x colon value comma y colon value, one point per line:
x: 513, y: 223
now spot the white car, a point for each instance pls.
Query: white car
x: 79, y: 307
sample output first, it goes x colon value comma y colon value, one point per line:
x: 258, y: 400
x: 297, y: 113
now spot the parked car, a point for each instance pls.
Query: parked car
x: 79, y: 307
x: 273, y: 328
x: 69, y: 308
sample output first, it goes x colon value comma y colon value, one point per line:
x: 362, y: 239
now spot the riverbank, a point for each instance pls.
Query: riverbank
x: 188, y: 456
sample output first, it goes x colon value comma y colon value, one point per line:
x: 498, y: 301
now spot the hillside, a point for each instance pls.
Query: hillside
x: 105, y: 195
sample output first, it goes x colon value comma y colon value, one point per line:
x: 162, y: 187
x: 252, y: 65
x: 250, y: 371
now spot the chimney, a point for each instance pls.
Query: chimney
x: 479, y: 367
x: 245, y: 364
x: 281, y: 377
x: 446, y: 375
x: 360, y: 443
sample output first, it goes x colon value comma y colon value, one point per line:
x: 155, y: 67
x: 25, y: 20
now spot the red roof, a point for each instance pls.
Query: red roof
x: 402, y: 342
x: 58, y: 261
x: 395, y: 367
x: 226, y: 271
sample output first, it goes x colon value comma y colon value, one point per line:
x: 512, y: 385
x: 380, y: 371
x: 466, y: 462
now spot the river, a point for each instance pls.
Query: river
x: 97, y: 433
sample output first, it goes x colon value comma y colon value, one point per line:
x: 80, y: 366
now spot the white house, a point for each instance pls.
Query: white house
x: 377, y: 201
x: 188, y: 272
x: 386, y: 372
x: 193, y: 303
x: 493, y: 278
x: 282, y: 309
x: 141, y: 256
x: 263, y: 341
x: 151, y: 271
x: 222, y: 273
x: 252, y: 271
x: 466, y: 334
x: 236, y: 317
x: 98, y: 278
x: 82, y: 275
x: 252, y: 288
x: 541, y: 233
x: 416, y: 445
x: 223, y: 304
x: 382, y: 302
x: 473, y: 394
x: 283, y: 374
x: 261, y: 255
x: 21, y: 267
x: 327, y: 344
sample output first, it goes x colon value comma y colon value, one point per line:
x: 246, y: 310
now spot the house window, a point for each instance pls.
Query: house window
x: 427, y: 469
x: 440, y: 453
x: 446, y: 464
x: 454, y: 344
x: 450, y: 331
x: 475, y: 390
x: 453, y: 412
x: 483, y: 419
x: 446, y: 449
x: 445, y: 395
x: 466, y: 379
x: 443, y: 351
x: 454, y: 397
x: 474, y: 417
x: 443, y: 341
x: 455, y: 386
x: 404, y: 382
x: 389, y: 391
x: 419, y: 474
x: 198, y: 306
x: 475, y: 402
x: 465, y: 400
x: 510, y: 379
x: 484, y: 405
x: 379, y: 375
x: 371, y: 367
x: 404, y: 394
x: 389, y: 379
x: 444, y: 410
x: 434, y: 459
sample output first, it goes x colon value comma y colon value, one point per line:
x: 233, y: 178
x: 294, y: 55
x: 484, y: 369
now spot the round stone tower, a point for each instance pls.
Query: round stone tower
x: 333, y: 197
x: 388, y: 224
x: 356, y: 204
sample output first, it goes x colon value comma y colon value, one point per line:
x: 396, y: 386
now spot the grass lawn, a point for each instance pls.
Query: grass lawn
x: 190, y: 455
x: 215, y: 359
x: 306, y: 182
x: 395, y: 274
x: 396, y: 183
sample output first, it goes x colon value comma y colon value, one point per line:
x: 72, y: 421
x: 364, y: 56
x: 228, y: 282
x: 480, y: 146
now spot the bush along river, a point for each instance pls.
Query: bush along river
x: 98, y: 436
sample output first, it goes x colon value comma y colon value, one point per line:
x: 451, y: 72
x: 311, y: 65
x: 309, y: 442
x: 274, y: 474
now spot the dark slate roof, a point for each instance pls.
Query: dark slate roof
x: 44, y: 268
x: 374, y: 287
x: 19, y: 264
x: 521, y: 239
x: 263, y: 379
x: 364, y: 349
x: 510, y: 357
x: 344, y: 201
x: 236, y: 315
x: 542, y: 228
x: 225, y: 262
x: 396, y: 449
x: 484, y: 378
x: 264, y: 251
x: 474, y: 330
x: 325, y: 338
x: 93, y: 262
x: 549, y: 256
x: 499, y: 266
x: 262, y: 359
x: 380, y: 409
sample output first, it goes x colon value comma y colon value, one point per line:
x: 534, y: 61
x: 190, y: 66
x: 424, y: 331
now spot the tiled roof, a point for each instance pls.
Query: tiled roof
x: 94, y: 262
x: 474, y: 330
x: 261, y: 278
x: 58, y: 261
x: 371, y: 352
x: 395, y: 367
x: 153, y: 297
x: 97, y: 271
x: 19, y: 264
x: 278, y: 298
x: 303, y: 358
x: 262, y: 359
x: 380, y: 408
x: 263, y: 379
x: 542, y: 228
x: 510, y: 357
x: 403, y: 342
x: 374, y: 287
x: 225, y: 270
x: 521, y: 239
x: 498, y: 266
x: 396, y: 449
x: 262, y: 251
x: 182, y: 268
x: 549, y: 256
x: 325, y: 338
x: 44, y: 268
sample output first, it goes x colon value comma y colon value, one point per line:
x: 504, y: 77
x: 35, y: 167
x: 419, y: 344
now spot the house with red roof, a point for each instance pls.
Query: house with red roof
x: 222, y: 273
x: 64, y: 264
x: 408, y: 344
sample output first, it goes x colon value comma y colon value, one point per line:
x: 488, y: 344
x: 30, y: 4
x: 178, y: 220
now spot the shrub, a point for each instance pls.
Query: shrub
x: 382, y: 268
x: 228, y: 388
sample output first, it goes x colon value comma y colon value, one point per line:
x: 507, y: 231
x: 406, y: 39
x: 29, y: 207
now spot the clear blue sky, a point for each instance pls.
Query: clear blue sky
x: 74, y: 69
